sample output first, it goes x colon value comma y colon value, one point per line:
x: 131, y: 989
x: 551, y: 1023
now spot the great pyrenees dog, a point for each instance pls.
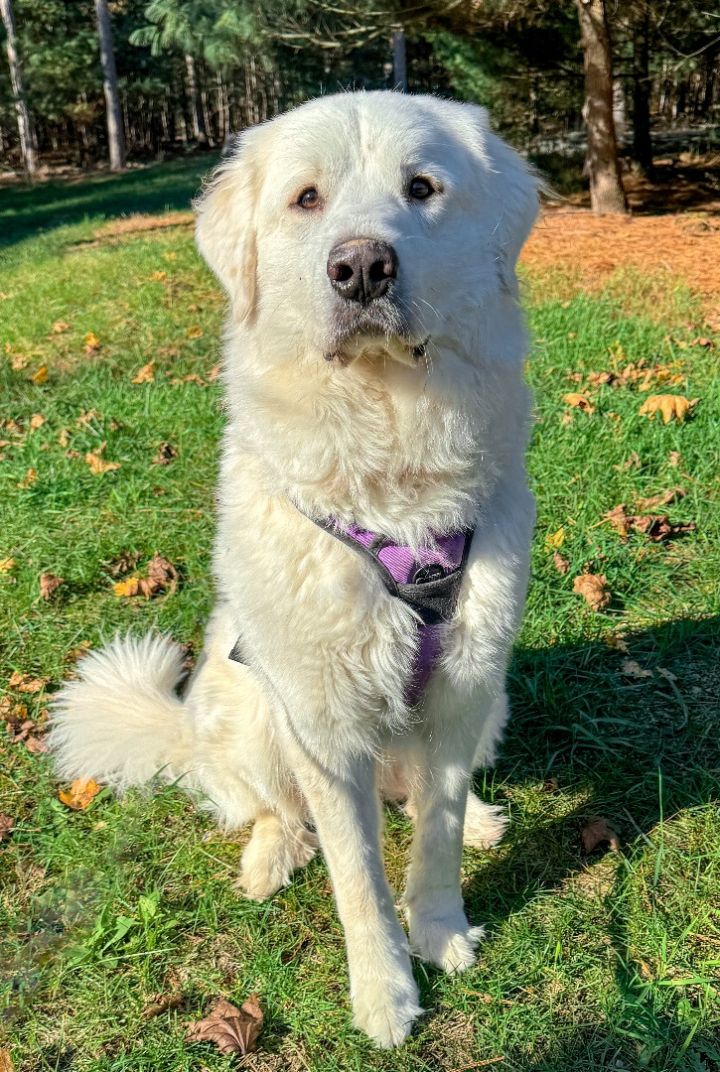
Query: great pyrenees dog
x: 374, y: 525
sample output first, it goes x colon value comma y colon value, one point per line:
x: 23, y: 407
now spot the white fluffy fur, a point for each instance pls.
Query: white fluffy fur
x: 315, y: 727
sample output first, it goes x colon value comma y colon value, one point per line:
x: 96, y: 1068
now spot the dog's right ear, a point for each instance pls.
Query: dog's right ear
x: 225, y: 229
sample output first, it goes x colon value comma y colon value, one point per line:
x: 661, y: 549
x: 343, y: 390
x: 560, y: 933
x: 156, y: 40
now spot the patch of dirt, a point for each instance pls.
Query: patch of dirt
x: 593, y: 248
x: 140, y: 221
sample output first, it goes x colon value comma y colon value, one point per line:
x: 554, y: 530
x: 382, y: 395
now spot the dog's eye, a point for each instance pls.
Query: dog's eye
x: 420, y: 188
x: 309, y: 198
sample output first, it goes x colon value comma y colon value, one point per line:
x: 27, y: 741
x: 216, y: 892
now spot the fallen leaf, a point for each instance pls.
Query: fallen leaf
x: 6, y: 828
x: 88, y: 417
x: 18, y: 362
x: 161, y: 577
x: 63, y: 437
x: 60, y: 326
x: 6, y: 564
x: 35, y: 745
x: 25, y: 683
x: 80, y: 794
x: 631, y: 462
x: 597, y: 833
x: 232, y: 1030
x: 97, y: 463
x: 159, y: 276
x: 146, y: 374
x: 707, y: 344
x: 194, y: 332
x: 49, y: 583
x: 161, y: 1004
x: 667, y: 674
x: 594, y: 590
x: 631, y: 668
x: 123, y: 563
x: 555, y: 540
x: 77, y: 652
x: 561, y: 564
x: 40, y: 376
x: 656, y: 527
x: 36, y: 421
x: 213, y: 374
x: 92, y: 343
x: 671, y: 407
x: 579, y: 401
x: 166, y: 453
x: 663, y: 499
x: 674, y: 458
x: 29, y: 478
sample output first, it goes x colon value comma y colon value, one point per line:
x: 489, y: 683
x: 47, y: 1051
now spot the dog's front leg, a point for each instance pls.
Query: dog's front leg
x: 439, y: 930
x: 346, y: 811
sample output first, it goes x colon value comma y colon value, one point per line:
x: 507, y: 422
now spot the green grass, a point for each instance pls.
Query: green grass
x: 606, y: 961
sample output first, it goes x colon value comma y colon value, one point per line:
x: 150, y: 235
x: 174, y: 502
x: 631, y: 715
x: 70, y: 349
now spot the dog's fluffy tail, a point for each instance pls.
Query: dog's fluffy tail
x: 121, y: 722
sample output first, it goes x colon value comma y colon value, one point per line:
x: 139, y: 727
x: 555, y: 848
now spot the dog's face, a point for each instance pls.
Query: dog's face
x: 328, y: 226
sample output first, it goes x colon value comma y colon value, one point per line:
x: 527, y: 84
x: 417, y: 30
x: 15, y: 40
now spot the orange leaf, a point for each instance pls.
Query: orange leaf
x: 80, y: 794
x: 146, y: 374
x: 671, y: 407
x: 36, y: 421
x: 6, y: 564
x: 49, y: 583
x: 40, y: 376
x: 579, y: 401
x: 92, y: 342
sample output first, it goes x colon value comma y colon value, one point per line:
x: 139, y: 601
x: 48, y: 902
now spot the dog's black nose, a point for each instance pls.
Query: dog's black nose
x: 362, y: 269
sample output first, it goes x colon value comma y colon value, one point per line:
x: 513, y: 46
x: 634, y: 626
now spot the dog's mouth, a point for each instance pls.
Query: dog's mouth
x: 378, y: 329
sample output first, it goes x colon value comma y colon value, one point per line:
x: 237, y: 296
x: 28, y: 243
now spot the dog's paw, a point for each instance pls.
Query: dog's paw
x: 268, y: 862
x: 485, y: 824
x: 448, y: 942
x: 386, y: 1011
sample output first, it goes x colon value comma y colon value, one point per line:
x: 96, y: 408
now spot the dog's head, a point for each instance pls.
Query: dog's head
x: 368, y: 222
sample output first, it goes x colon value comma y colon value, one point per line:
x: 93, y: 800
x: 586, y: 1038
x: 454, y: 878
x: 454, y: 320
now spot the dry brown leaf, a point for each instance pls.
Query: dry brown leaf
x: 656, y: 527
x: 36, y: 421
x: 92, y: 343
x: 146, y: 374
x: 158, y: 276
x: 40, y: 376
x: 632, y: 668
x: 60, y: 326
x: 77, y: 652
x: 161, y: 577
x: 49, y: 583
x: 665, y: 498
x: 80, y: 794
x: 194, y: 332
x: 631, y: 462
x: 6, y: 564
x: 166, y: 453
x: 561, y: 563
x: 213, y: 374
x: 674, y: 458
x: 597, y: 833
x: 232, y: 1030
x: 97, y: 463
x: 671, y: 407
x: 579, y: 401
x: 25, y: 683
x: 6, y: 828
x: 63, y: 438
x: 29, y: 478
x: 594, y: 590
x: 88, y: 417
x: 701, y: 340
x: 35, y: 745
x: 125, y: 561
x: 19, y: 362
x: 161, y: 1004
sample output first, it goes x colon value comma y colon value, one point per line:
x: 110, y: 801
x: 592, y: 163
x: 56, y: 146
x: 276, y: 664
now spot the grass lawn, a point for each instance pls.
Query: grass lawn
x: 599, y: 960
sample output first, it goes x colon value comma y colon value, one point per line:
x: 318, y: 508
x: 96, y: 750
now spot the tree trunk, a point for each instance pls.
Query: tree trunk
x: 116, y: 135
x: 26, y: 129
x: 602, y: 164
x: 642, y: 142
x: 196, y: 114
x: 399, y: 51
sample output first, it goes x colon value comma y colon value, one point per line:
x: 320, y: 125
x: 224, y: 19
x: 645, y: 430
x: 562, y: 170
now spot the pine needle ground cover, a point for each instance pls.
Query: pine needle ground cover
x: 119, y: 921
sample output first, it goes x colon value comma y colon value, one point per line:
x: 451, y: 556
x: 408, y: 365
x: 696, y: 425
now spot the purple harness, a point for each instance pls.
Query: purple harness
x: 428, y: 580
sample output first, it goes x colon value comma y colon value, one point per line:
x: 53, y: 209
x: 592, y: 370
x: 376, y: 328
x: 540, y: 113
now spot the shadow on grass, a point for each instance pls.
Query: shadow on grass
x: 28, y: 210
x: 638, y: 750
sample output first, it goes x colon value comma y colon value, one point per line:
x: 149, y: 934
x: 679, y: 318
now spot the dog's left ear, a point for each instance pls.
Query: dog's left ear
x: 225, y: 230
x: 513, y: 188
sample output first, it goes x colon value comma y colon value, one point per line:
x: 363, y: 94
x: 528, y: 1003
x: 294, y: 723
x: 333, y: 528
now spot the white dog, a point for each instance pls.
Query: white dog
x: 374, y: 524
